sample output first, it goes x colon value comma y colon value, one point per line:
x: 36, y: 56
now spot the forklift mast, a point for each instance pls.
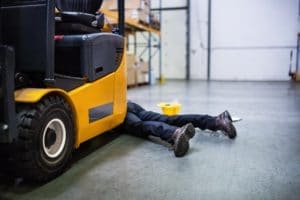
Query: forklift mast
x: 26, y: 32
x: 29, y: 28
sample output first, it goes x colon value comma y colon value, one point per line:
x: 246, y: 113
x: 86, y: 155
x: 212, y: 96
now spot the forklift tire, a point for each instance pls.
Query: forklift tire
x: 45, y: 138
x: 5, y: 167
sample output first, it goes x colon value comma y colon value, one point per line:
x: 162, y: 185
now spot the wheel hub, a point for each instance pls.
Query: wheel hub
x: 50, y: 138
x: 54, y: 138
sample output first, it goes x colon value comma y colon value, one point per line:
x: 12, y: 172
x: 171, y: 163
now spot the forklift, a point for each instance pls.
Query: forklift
x: 62, y: 82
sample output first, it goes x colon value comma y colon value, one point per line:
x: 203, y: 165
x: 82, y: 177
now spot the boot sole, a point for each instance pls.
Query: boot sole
x: 181, y: 146
x: 227, y: 114
x: 232, y: 133
x: 189, y: 131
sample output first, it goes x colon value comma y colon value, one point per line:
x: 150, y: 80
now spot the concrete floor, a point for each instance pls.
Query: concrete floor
x: 262, y: 163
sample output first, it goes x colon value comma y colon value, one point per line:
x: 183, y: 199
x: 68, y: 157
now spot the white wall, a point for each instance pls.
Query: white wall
x: 173, y: 33
x: 168, y: 3
x: 174, y: 44
x: 198, y: 39
x: 251, y: 39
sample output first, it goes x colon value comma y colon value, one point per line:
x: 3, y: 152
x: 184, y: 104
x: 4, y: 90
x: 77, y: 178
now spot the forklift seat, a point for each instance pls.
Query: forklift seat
x: 81, y: 50
x: 86, y: 6
x: 79, y: 16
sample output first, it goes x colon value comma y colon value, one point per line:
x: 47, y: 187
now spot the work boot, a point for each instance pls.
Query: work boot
x: 226, y: 114
x: 181, y: 139
x: 224, y: 124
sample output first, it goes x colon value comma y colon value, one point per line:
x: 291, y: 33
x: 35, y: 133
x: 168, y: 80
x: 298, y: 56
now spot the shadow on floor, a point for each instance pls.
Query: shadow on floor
x: 16, y: 185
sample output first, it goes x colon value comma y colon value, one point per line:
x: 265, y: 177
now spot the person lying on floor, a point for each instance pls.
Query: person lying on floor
x: 176, y: 130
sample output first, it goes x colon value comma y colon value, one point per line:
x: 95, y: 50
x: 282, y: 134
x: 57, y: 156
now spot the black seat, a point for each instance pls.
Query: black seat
x: 79, y: 16
x: 86, y: 6
x: 82, y: 51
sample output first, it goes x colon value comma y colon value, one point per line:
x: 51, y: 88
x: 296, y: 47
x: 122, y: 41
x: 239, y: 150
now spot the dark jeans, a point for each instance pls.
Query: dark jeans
x: 143, y: 123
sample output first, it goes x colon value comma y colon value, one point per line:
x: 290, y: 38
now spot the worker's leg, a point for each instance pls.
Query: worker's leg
x: 222, y: 122
x: 178, y: 137
x: 134, y: 125
x: 201, y: 121
x: 134, y: 108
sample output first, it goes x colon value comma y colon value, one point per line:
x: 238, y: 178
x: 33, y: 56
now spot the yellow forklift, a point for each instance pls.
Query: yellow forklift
x: 63, y: 82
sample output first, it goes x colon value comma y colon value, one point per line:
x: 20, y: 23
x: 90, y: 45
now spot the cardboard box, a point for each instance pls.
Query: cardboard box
x: 138, y: 15
x: 142, y: 73
x: 154, y: 21
x: 143, y: 66
x: 130, y: 60
x: 138, y: 10
x: 131, y: 76
x: 297, y: 76
x: 142, y: 77
x: 137, y: 4
x: 107, y: 4
x: 131, y: 69
x: 129, y: 4
x: 137, y: 72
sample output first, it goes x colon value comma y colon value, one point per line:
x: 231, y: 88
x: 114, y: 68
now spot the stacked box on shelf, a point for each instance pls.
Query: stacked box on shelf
x: 142, y: 73
x: 131, y: 69
x: 138, y: 10
x: 154, y: 22
x: 137, y: 72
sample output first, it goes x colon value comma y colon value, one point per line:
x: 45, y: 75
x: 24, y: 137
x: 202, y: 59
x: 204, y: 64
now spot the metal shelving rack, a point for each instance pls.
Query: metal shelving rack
x: 147, y: 32
x: 148, y: 46
x: 134, y: 26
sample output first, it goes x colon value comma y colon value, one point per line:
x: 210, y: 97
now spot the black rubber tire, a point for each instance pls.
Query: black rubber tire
x: 5, y: 166
x: 31, y: 159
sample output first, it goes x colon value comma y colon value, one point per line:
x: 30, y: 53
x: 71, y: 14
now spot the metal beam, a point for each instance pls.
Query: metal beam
x: 170, y: 8
x: 121, y: 18
x: 160, y: 50
x: 188, y: 40
x: 149, y: 56
x: 209, y: 40
x: 298, y: 52
x: 135, y: 43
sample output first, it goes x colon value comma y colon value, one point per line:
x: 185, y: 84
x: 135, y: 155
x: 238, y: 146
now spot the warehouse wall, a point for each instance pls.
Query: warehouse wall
x: 251, y: 39
x: 174, y: 44
x: 173, y: 35
x: 198, y: 39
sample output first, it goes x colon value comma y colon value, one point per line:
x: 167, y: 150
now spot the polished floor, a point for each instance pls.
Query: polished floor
x: 262, y: 163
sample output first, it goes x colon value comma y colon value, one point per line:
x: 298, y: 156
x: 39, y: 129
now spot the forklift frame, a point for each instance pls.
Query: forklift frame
x: 41, y: 122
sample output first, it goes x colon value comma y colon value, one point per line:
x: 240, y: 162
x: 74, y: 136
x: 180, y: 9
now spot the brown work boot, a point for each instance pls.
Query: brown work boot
x: 181, y: 139
x: 224, y: 124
